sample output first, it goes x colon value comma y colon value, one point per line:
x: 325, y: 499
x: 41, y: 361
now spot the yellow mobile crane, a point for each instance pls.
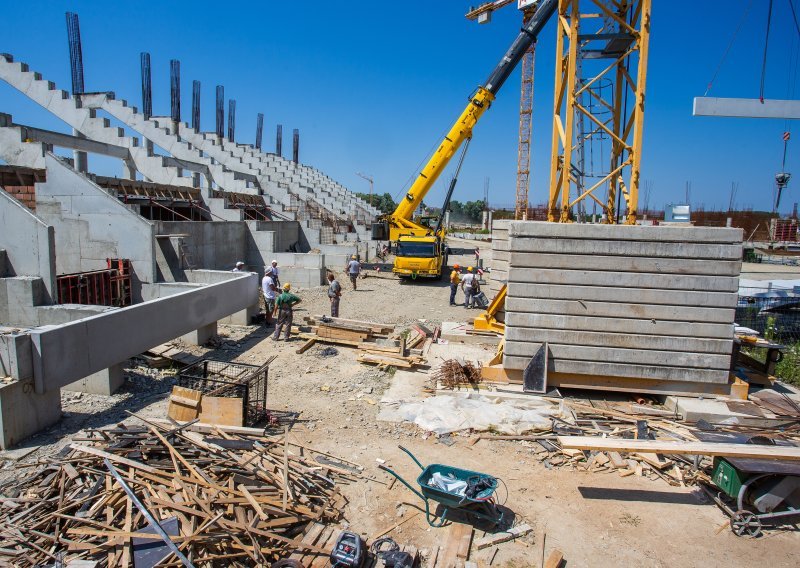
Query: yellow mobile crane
x: 420, y: 250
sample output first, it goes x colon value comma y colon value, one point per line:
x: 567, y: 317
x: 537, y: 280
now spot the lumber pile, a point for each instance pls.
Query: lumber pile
x: 378, y: 344
x: 219, y: 498
x: 644, y: 441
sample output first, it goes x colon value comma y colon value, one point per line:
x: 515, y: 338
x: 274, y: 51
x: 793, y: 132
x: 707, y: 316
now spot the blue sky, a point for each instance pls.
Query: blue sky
x: 373, y: 85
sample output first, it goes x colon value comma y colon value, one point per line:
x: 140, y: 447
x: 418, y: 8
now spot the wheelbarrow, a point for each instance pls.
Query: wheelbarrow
x: 480, y: 505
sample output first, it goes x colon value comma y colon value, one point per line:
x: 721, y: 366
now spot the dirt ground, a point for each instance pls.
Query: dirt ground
x: 596, y: 519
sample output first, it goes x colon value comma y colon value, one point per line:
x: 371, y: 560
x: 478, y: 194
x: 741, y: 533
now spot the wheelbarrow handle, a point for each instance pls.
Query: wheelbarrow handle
x: 416, y: 461
x: 403, y: 481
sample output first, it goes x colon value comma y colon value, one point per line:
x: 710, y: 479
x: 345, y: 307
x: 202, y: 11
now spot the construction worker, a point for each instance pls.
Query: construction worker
x: 353, y: 270
x: 269, y: 289
x: 334, y: 293
x: 239, y: 267
x: 455, y: 280
x: 283, y: 307
x: 470, y: 286
x: 272, y: 269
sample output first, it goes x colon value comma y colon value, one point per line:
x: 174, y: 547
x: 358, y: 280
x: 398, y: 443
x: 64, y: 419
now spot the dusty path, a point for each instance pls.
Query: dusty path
x: 595, y: 519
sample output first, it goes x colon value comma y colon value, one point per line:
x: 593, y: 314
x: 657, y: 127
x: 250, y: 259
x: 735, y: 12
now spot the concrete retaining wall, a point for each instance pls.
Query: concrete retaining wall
x: 651, y: 303
x: 91, y: 225
x: 29, y: 243
x: 70, y: 352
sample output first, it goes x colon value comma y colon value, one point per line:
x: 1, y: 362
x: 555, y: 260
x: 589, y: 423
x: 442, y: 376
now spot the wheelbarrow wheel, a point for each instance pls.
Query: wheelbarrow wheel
x: 746, y: 523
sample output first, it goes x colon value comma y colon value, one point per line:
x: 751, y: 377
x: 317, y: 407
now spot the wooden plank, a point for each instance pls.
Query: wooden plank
x: 457, y: 532
x: 306, y: 346
x: 684, y: 448
x: 497, y: 538
x: 115, y: 458
x: 180, y: 410
x: 310, y: 537
x: 222, y: 410
x: 384, y: 360
x: 554, y: 560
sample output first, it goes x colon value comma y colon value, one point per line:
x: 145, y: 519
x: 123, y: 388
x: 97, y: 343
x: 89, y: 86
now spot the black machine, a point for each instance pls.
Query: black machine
x: 349, y: 551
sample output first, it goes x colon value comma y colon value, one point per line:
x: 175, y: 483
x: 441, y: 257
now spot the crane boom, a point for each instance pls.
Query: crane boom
x: 400, y: 221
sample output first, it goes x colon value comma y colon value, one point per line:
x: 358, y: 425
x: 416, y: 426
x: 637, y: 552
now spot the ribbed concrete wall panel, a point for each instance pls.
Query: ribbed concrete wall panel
x: 653, y: 303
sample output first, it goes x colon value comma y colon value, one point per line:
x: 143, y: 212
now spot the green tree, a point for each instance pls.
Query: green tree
x: 474, y: 209
x: 384, y: 202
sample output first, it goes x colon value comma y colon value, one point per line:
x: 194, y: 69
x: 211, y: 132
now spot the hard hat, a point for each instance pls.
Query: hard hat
x: 456, y: 266
x: 469, y: 269
x: 287, y: 286
x: 274, y: 262
x: 240, y: 263
x: 353, y: 257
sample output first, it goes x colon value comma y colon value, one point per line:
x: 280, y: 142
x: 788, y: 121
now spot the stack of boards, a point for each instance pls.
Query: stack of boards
x: 646, y: 308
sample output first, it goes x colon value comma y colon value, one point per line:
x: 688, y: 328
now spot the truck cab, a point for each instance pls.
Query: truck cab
x: 420, y: 256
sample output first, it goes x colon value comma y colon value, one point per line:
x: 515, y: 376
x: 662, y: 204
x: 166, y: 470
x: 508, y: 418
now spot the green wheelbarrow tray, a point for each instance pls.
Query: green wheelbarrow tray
x: 481, y: 505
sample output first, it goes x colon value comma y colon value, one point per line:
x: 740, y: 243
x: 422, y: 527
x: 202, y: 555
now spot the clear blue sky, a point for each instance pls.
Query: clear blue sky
x: 373, y: 85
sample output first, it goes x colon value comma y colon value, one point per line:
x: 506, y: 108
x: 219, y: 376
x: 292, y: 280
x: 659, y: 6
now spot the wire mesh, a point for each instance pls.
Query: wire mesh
x: 774, y: 314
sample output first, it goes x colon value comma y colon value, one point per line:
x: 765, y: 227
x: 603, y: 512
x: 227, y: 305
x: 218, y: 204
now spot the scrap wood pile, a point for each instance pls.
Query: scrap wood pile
x: 378, y: 343
x: 453, y: 374
x: 223, y: 498
x: 602, y: 433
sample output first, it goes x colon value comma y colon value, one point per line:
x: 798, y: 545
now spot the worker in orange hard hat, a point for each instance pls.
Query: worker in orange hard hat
x: 455, y: 280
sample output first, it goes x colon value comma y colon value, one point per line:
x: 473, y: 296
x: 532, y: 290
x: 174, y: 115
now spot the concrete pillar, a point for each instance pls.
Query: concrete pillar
x: 447, y: 219
x: 23, y: 412
x: 128, y: 169
x: 491, y: 220
x: 200, y: 336
x: 485, y: 219
x: 104, y: 382
x: 81, y: 159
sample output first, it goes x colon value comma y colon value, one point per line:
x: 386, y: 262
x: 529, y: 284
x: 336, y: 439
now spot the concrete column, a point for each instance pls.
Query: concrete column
x: 447, y: 219
x: 81, y: 159
x: 128, y: 169
x: 104, y: 382
x: 200, y: 336
x: 491, y: 220
x: 485, y: 220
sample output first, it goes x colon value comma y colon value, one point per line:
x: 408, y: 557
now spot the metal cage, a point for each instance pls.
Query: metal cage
x: 231, y: 380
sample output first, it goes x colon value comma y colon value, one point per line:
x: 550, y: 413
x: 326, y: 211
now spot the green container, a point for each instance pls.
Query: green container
x: 727, y: 477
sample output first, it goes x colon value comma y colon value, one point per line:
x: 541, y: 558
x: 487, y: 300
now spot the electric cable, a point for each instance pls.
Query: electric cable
x: 727, y: 49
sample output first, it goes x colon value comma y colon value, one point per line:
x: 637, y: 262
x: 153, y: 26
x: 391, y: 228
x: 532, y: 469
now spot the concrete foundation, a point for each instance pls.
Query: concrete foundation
x: 105, y: 382
x: 23, y: 412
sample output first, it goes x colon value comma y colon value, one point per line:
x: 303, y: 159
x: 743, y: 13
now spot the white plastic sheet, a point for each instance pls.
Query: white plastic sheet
x: 444, y: 414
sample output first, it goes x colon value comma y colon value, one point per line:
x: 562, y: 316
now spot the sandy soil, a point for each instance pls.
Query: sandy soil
x: 595, y: 519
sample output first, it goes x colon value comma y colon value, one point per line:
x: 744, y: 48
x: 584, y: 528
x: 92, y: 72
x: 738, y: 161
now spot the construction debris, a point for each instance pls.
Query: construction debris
x: 153, y: 494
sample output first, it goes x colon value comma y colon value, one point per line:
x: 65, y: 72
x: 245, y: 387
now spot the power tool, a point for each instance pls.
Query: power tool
x: 349, y: 551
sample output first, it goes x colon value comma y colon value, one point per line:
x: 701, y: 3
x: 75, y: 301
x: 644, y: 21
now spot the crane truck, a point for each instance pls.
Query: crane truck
x: 421, y: 250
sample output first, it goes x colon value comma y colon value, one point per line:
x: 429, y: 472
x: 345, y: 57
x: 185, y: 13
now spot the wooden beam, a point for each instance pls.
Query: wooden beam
x: 688, y: 448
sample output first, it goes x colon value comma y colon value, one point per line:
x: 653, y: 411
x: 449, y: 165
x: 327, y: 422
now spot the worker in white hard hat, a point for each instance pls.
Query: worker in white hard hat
x: 272, y: 270
x: 283, y: 307
x: 470, y: 287
x: 239, y: 267
x: 353, y: 270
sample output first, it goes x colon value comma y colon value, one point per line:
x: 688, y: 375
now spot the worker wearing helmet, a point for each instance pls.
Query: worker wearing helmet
x: 470, y: 286
x: 353, y: 270
x: 455, y: 280
x: 283, y: 307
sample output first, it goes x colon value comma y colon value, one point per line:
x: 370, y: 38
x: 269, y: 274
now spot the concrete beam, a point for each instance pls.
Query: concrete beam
x: 73, y: 142
x: 746, y: 108
x: 64, y: 354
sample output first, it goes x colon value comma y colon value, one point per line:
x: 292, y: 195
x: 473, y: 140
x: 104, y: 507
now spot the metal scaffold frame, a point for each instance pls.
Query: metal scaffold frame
x: 623, y: 27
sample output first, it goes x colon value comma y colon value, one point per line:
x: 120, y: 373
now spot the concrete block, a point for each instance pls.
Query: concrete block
x: 624, y: 295
x: 623, y: 279
x: 620, y: 263
x: 527, y: 349
x: 105, y: 382
x: 23, y: 412
x: 200, y: 336
x: 621, y: 248
x: 621, y: 325
x: 690, y: 233
x: 645, y: 372
x: 302, y: 277
x: 714, y: 412
x: 64, y: 313
x: 578, y: 307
